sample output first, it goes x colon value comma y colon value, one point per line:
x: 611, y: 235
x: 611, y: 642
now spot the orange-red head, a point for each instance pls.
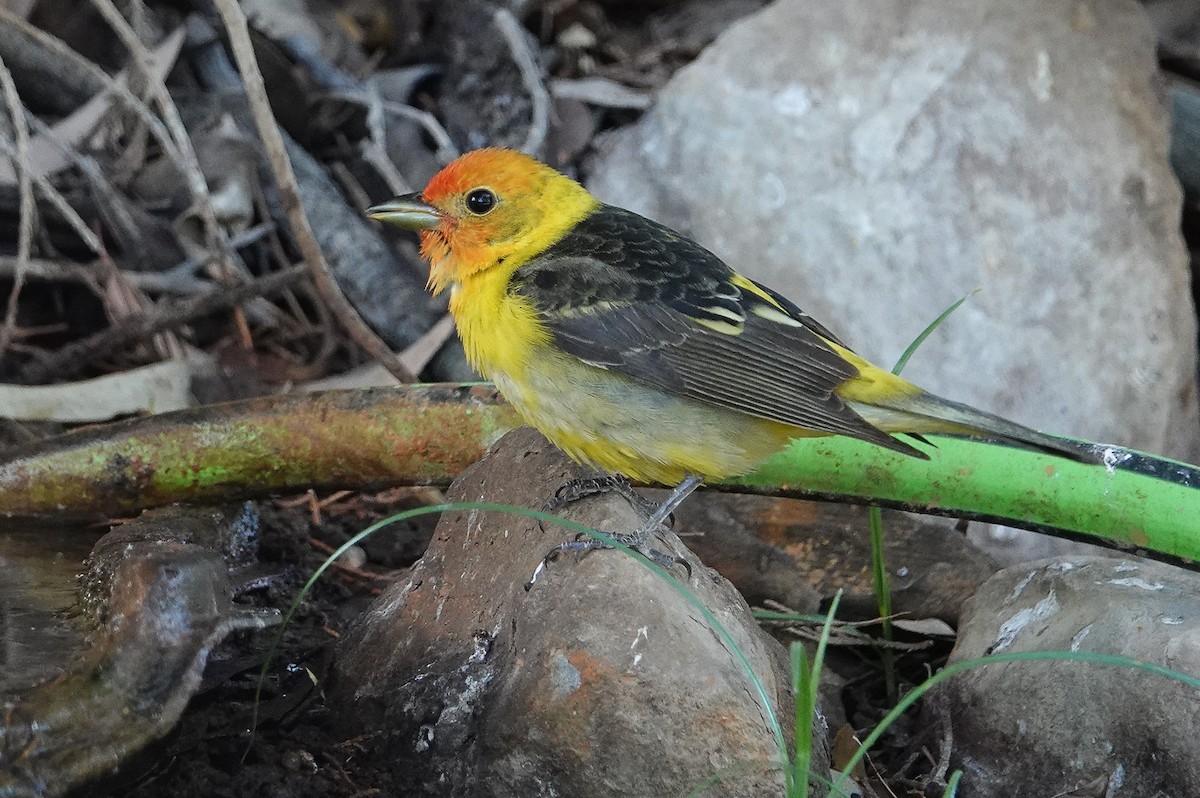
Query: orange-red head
x: 489, y: 208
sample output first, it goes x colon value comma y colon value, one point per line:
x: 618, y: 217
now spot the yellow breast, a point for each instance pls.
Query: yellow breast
x: 500, y: 332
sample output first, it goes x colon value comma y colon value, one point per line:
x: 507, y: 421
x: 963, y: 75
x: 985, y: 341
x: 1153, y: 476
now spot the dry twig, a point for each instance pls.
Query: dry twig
x: 114, y: 206
x: 72, y: 359
x: 179, y: 280
x: 69, y: 214
x: 539, y: 98
x: 62, y: 271
x: 187, y: 161
x: 446, y: 150
x: 25, y: 230
x: 256, y: 92
x: 114, y: 86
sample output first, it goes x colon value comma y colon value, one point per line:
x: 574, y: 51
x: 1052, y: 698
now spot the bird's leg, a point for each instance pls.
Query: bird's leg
x: 640, y: 540
x: 664, y: 510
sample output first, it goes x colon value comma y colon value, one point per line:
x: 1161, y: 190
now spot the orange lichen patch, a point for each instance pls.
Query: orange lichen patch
x: 801, y: 550
x: 592, y: 670
x: 775, y: 517
x: 730, y: 726
x: 576, y: 688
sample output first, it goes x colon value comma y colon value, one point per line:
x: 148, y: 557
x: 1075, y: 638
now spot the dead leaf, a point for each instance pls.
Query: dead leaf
x: 928, y: 627
x: 156, y: 388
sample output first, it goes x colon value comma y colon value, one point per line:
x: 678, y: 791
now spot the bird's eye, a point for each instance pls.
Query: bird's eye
x: 480, y: 201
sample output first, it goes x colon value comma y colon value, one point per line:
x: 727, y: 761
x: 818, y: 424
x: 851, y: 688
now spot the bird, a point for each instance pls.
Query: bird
x: 640, y: 353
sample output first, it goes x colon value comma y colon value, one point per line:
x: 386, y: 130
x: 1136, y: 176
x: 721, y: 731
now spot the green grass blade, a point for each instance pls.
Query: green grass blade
x: 920, y: 339
x: 802, y: 679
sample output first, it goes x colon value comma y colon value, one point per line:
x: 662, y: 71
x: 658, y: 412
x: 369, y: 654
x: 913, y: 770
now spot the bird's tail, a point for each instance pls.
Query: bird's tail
x: 926, y: 413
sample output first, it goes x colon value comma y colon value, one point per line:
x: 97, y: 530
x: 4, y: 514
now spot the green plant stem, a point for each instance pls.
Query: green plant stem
x: 883, y: 591
x: 883, y: 598
x: 1137, y: 502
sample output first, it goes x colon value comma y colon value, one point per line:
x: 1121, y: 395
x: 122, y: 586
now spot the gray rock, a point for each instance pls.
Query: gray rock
x: 799, y: 552
x: 600, y: 681
x: 1046, y: 728
x: 877, y: 161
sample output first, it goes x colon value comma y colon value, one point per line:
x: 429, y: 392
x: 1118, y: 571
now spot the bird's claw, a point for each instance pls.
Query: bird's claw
x: 582, y: 544
x: 581, y: 487
x: 576, y: 489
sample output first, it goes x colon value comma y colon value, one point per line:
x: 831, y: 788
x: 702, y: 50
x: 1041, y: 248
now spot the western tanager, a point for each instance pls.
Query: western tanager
x: 636, y: 350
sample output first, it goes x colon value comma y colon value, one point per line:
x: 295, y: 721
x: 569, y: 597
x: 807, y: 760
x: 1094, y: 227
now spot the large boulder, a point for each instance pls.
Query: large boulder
x: 877, y: 161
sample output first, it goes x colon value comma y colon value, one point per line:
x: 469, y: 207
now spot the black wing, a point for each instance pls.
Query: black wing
x: 623, y: 293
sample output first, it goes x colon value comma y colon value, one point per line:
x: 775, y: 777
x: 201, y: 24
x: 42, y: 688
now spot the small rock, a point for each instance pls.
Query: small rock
x: 1047, y: 728
x: 600, y: 681
x: 353, y: 557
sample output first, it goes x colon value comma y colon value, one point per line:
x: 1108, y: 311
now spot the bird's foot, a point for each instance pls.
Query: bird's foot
x: 639, y: 541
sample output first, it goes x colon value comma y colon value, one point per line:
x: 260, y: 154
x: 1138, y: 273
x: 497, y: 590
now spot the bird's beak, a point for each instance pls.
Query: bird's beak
x: 408, y: 212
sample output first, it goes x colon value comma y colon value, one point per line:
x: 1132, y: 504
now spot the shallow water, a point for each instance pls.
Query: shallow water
x: 41, y: 626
